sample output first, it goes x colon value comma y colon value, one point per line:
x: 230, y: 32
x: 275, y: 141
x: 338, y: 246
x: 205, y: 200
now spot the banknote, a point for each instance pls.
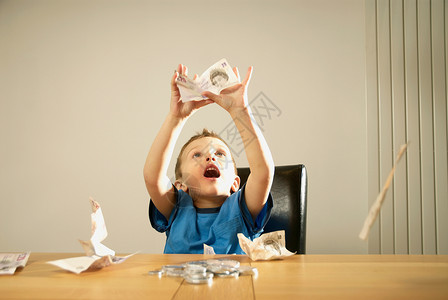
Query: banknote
x: 99, y: 233
x: 80, y: 264
x: 9, y: 262
x: 376, y: 207
x: 209, y: 249
x: 268, y: 246
x: 216, y: 78
x: 98, y: 255
x: 189, y: 89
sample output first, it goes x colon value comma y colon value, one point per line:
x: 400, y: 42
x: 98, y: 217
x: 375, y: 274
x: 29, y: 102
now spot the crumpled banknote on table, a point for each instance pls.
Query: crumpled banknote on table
x: 98, y: 255
x: 216, y: 78
x: 268, y: 246
x: 9, y: 262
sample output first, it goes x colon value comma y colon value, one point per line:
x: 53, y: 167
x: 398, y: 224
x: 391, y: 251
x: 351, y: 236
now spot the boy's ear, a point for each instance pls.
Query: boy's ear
x: 236, y: 184
x: 180, y: 186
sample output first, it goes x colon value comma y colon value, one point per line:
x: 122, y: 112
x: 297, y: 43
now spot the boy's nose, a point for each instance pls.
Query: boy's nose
x: 210, y: 157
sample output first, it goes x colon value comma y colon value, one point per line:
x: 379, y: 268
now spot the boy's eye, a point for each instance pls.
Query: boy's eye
x: 220, y: 153
x: 197, y: 155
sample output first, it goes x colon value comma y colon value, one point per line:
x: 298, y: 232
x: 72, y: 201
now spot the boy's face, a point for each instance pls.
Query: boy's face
x: 207, y: 169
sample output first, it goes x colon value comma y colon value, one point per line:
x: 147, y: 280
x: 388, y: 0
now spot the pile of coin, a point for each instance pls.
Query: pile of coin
x: 203, y: 271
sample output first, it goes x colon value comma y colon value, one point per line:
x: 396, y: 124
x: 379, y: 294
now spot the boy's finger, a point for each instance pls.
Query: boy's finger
x: 173, y: 80
x: 213, y: 97
x: 201, y: 103
x: 231, y: 89
x: 235, y: 70
x: 248, y: 76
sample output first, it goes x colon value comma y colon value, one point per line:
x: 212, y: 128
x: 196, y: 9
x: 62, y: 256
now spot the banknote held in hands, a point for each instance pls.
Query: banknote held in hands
x: 216, y: 78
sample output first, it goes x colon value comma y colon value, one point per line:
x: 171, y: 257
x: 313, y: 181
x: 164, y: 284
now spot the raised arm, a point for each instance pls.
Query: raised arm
x: 234, y: 101
x: 155, y: 170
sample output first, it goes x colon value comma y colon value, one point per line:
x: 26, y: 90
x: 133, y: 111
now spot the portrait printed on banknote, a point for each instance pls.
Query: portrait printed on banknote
x: 219, y: 77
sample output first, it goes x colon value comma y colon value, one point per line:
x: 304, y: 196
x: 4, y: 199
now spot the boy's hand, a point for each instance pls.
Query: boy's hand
x: 179, y: 109
x: 233, y: 99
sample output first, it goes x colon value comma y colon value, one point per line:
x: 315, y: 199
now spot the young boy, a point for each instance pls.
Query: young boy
x: 206, y: 205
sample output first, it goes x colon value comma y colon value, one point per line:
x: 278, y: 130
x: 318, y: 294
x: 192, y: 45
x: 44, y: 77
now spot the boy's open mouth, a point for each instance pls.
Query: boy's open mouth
x: 212, y: 171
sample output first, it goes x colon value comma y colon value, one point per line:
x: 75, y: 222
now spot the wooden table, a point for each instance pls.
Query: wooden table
x: 297, y: 277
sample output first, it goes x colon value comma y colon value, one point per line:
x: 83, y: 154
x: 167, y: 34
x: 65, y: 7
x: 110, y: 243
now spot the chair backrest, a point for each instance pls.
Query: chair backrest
x: 289, y: 192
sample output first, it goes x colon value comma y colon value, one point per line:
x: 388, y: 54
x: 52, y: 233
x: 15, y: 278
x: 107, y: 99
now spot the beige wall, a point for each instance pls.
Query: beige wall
x: 84, y: 87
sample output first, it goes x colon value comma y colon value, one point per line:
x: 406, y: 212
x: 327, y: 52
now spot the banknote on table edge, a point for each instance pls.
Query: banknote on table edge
x: 9, y: 262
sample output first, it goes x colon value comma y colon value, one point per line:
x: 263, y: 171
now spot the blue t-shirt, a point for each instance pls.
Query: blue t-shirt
x: 189, y: 227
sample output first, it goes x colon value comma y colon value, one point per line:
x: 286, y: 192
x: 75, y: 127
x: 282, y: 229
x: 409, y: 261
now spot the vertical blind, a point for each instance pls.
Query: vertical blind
x: 406, y: 83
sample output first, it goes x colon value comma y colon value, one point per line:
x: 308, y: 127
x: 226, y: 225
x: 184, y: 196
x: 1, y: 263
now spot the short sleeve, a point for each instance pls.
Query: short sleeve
x: 157, y: 219
x: 262, y: 218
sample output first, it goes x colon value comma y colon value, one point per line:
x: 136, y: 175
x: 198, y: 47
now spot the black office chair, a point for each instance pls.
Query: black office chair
x: 289, y: 192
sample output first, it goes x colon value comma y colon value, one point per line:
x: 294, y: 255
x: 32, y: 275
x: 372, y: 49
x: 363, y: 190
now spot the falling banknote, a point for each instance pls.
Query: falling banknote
x: 216, y: 78
x: 97, y: 256
x: 376, y: 207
